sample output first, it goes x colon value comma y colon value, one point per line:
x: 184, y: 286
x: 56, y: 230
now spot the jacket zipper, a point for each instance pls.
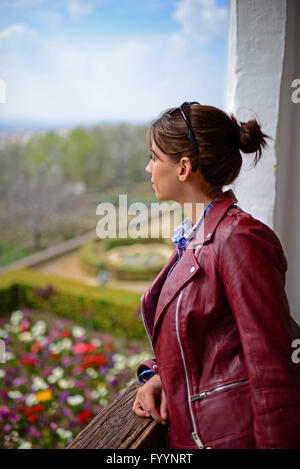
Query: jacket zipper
x: 195, y: 435
x: 218, y: 388
x: 144, y: 322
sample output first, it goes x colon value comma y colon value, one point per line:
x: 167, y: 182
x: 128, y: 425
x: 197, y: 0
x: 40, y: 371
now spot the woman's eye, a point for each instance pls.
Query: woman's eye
x: 151, y: 157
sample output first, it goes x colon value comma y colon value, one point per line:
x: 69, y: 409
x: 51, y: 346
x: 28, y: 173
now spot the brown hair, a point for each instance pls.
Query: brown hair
x: 219, y: 136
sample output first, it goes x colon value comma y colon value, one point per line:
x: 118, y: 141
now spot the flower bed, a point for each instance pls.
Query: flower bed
x: 56, y: 379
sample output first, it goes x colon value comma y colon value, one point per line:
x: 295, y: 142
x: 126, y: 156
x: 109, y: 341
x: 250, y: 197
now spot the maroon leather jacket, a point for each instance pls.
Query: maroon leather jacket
x: 221, y: 332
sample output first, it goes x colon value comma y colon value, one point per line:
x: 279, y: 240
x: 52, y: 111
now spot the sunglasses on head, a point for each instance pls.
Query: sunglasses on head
x: 191, y: 135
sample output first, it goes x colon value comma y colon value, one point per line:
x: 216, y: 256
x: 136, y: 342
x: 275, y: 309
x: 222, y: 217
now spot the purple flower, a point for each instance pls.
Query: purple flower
x: 19, y: 381
x: 112, y: 380
x: 66, y: 412
x: 67, y: 361
x: 34, y: 432
x: 7, y: 428
x: 63, y: 396
x: 14, y: 418
x: 47, y: 372
x: 53, y: 426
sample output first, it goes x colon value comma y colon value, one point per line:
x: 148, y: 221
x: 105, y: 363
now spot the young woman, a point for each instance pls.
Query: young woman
x: 217, y: 314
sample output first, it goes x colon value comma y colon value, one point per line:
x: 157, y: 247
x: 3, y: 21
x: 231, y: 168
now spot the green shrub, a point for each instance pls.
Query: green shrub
x: 110, y: 243
x: 90, y: 261
x: 107, y: 309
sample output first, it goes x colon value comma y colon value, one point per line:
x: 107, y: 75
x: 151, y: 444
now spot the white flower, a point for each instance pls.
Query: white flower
x: 135, y: 360
x: 31, y: 400
x: 54, y: 349
x: 64, y: 434
x: 3, y: 334
x: 14, y: 394
x: 97, y: 342
x: 57, y: 373
x: 25, y: 336
x: 118, y: 357
x: 78, y: 331
x: 39, y: 384
x: 102, y: 391
x: 120, y: 362
x: 25, y: 444
x: 92, y: 373
x: 16, y: 317
x: 103, y: 401
x: 95, y: 394
x: 2, y: 373
x: 65, y: 383
x: 9, y: 356
x: 39, y: 328
x: 66, y: 343
x: 75, y: 400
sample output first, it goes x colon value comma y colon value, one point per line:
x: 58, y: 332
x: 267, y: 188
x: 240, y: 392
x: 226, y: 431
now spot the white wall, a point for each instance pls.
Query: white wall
x: 287, y: 203
x: 262, y: 62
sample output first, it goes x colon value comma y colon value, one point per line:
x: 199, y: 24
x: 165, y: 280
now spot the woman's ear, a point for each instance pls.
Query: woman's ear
x: 184, y: 168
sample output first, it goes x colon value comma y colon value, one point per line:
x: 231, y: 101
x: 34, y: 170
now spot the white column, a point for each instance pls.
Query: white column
x: 263, y: 61
x: 287, y: 147
x: 255, y: 59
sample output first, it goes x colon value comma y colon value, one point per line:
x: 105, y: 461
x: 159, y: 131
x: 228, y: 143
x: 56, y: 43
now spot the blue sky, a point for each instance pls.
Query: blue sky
x: 68, y: 62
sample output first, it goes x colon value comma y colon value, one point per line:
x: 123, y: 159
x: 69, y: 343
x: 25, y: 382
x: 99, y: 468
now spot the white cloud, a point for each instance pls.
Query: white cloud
x: 16, y: 30
x: 107, y: 78
x: 202, y: 20
x: 78, y: 7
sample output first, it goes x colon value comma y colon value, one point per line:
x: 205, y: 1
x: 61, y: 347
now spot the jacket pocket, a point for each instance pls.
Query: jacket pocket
x: 222, y: 387
x: 224, y: 411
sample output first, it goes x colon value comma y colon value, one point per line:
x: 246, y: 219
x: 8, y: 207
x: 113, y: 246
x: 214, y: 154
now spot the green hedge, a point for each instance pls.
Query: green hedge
x: 107, y: 309
x: 110, y: 243
x: 90, y: 261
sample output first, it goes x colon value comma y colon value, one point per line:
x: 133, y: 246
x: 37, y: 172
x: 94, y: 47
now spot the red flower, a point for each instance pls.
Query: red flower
x: 84, y: 415
x: 66, y: 333
x: 37, y: 408
x: 30, y: 412
x: 81, y: 347
x: 36, y: 347
x: 90, y: 360
x: 24, y: 325
x: 32, y: 418
x: 27, y: 360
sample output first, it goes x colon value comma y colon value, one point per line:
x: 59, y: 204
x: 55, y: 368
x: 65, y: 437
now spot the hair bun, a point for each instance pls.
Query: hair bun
x: 252, y: 139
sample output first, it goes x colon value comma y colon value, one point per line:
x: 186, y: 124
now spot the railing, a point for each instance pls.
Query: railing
x: 117, y: 427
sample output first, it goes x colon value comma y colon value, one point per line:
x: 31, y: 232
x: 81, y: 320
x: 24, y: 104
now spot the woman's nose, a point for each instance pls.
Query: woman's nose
x: 148, y: 168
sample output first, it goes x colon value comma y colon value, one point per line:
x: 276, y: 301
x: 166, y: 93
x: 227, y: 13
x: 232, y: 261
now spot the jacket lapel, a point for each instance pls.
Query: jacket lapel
x: 156, y: 299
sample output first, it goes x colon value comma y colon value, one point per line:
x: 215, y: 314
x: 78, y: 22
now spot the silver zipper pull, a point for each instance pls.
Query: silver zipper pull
x: 197, y: 440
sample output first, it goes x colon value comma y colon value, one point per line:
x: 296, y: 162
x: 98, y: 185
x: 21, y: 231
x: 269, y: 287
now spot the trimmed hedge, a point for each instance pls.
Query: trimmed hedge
x: 110, y: 243
x: 107, y: 309
x: 90, y: 261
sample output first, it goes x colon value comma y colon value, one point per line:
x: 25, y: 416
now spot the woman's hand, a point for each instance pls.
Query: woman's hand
x: 151, y: 400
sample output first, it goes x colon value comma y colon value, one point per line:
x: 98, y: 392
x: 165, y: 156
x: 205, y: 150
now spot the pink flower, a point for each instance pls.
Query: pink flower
x: 4, y: 411
x: 79, y: 347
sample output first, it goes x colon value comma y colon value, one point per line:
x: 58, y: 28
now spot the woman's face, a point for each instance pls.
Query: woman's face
x: 164, y: 174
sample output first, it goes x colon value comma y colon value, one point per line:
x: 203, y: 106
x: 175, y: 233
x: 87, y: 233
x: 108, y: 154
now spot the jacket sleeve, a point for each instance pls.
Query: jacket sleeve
x: 252, y: 268
x: 146, y: 370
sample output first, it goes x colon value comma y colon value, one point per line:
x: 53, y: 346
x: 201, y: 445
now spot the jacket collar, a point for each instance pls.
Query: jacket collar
x: 156, y: 299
